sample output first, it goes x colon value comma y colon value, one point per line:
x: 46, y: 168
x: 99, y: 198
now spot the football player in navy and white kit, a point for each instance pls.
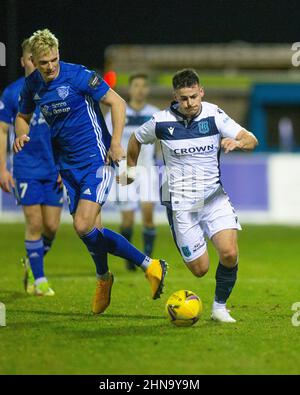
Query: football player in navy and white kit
x: 35, y: 181
x: 192, y: 133
x: 144, y: 192
x: 69, y: 96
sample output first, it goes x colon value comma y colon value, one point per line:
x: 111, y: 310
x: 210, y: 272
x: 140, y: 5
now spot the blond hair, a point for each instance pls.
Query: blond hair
x: 42, y: 42
x: 25, y: 46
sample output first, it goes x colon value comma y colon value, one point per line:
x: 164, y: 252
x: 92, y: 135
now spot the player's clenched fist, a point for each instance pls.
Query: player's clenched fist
x: 20, y: 142
x: 115, y: 154
x: 229, y: 144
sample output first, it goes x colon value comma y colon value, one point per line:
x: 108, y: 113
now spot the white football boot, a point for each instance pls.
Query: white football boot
x: 221, y: 314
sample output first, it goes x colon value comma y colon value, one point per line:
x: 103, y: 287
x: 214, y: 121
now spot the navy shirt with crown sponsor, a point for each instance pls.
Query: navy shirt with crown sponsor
x: 70, y: 105
x: 36, y: 160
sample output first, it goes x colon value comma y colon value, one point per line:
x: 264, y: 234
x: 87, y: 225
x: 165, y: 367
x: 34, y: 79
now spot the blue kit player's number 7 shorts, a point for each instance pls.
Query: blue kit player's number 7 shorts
x: 29, y: 192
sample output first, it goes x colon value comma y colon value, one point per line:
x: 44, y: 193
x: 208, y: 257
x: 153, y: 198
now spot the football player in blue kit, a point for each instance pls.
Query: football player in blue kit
x: 35, y: 182
x: 69, y: 96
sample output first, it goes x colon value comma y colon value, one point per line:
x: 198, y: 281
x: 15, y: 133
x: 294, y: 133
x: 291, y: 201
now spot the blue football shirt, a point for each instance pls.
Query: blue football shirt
x: 36, y: 160
x: 70, y: 105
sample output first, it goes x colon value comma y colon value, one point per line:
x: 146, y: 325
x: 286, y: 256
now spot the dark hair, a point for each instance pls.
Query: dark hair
x: 185, y: 78
x: 134, y: 76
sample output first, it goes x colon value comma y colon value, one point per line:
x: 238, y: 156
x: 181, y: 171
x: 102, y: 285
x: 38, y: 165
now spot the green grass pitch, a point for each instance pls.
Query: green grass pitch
x: 60, y: 335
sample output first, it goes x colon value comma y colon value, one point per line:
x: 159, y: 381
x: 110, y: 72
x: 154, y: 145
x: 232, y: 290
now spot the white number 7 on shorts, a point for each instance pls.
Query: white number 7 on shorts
x: 23, y: 186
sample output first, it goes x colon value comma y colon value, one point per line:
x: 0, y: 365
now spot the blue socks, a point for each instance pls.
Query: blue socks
x: 95, y: 242
x: 36, y: 250
x: 101, y: 242
x: 35, y: 253
x: 117, y: 245
x: 149, y: 235
x: 225, y: 280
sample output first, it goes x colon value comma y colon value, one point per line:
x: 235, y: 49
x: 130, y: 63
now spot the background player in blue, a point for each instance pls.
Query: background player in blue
x: 138, y: 111
x: 34, y: 180
x: 69, y: 97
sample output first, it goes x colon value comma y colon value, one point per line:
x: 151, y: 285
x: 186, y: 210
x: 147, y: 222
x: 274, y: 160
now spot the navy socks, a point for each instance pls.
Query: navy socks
x: 47, y: 243
x: 225, y: 280
x: 149, y: 235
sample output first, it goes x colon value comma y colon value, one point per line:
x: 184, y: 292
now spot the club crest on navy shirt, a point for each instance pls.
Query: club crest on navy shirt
x: 203, y: 127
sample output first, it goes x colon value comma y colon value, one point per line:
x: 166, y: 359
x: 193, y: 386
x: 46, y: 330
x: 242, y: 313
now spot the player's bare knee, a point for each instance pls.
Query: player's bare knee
x: 199, y: 266
x: 199, y: 269
x: 82, y: 226
x: 127, y: 219
x: 148, y: 223
x: 228, y: 257
x: 127, y: 224
x: 33, y: 224
x: 51, y: 226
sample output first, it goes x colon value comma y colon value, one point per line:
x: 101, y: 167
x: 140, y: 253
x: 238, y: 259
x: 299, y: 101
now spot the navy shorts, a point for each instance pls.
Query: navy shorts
x: 90, y: 182
x: 29, y: 192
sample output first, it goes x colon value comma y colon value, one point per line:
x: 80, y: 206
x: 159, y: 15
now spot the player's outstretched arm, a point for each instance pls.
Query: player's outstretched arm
x: 145, y: 134
x: 6, y: 179
x: 22, y: 130
x: 133, y: 151
x: 244, y: 141
x: 118, y: 114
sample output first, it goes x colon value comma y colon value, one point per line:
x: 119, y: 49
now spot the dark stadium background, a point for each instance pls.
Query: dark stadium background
x: 61, y: 336
x: 86, y: 28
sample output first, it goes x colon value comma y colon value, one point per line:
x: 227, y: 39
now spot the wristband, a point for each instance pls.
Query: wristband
x: 131, y: 172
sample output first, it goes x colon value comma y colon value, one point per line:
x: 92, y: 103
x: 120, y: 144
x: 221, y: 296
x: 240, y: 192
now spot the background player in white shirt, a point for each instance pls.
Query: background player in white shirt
x: 192, y: 133
x: 138, y: 111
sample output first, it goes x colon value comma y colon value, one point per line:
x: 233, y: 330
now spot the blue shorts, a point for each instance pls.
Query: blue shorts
x: 45, y: 192
x: 90, y: 182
